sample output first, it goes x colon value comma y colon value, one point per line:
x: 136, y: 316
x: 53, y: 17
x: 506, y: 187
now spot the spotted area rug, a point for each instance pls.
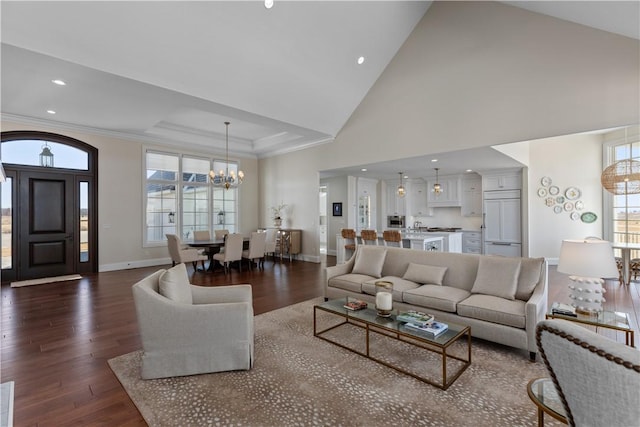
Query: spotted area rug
x: 300, y: 380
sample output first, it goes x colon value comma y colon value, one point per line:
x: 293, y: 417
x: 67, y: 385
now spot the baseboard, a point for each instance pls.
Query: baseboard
x: 134, y: 264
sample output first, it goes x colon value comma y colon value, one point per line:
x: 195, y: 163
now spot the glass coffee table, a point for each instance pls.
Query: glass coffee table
x: 616, y: 320
x: 390, y: 328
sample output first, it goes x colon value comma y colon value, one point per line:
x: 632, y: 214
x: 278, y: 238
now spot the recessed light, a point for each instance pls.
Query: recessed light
x: 361, y: 60
x: 469, y: 170
x: 59, y: 82
x: 51, y: 112
x: 268, y: 4
x: 363, y: 170
x: 434, y: 160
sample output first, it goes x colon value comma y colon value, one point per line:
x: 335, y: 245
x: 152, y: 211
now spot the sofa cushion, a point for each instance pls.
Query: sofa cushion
x: 494, y: 309
x: 399, y: 286
x: 369, y: 261
x: 425, y: 274
x: 349, y: 282
x: 530, y: 269
x: 443, y: 298
x: 497, y: 276
x: 174, y: 284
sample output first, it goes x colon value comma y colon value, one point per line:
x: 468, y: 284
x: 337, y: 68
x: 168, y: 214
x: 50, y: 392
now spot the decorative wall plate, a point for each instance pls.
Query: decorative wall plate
x: 579, y: 205
x: 560, y: 200
x: 554, y: 190
x: 574, y: 216
x: 550, y: 201
x: 542, y: 192
x: 545, y: 181
x: 568, y: 206
x: 557, y: 208
x: 588, y: 217
x: 572, y: 193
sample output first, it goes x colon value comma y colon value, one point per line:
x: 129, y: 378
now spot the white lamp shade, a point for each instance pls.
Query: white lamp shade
x: 587, y: 258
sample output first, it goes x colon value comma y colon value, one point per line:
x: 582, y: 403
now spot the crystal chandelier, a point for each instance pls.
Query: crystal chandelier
x: 401, y: 191
x: 437, y: 188
x: 224, y: 178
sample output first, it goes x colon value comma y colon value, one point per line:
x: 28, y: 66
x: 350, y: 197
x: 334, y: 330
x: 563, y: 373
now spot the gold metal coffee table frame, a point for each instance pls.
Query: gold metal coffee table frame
x: 616, y: 320
x: 390, y: 328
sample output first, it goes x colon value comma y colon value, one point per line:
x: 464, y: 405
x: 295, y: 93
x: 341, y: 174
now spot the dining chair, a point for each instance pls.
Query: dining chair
x: 232, y: 251
x: 257, y: 243
x: 392, y: 238
x: 180, y: 254
x: 203, y: 235
x: 369, y: 237
x: 220, y: 234
x: 270, y: 243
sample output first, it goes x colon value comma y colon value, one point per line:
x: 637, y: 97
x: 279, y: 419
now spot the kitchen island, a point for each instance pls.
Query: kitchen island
x: 426, y: 241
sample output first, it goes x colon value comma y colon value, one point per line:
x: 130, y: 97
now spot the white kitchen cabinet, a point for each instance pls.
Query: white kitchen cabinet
x: 417, y: 199
x: 450, y: 195
x: 502, y: 220
x: 511, y: 249
x: 471, y: 196
x: 396, y: 205
x: 452, y: 242
x: 509, y: 180
x: 471, y: 242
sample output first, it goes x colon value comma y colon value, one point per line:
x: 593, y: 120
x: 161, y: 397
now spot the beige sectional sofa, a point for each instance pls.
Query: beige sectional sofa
x: 502, y: 299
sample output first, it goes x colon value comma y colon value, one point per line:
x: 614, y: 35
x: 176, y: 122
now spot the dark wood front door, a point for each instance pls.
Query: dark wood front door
x: 47, y: 220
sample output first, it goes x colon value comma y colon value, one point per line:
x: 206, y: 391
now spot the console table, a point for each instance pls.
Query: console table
x: 288, y: 242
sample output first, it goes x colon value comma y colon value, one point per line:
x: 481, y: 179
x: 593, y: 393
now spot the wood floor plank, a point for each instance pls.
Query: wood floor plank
x: 57, y: 338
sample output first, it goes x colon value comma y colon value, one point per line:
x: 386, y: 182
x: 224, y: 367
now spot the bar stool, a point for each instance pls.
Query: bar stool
x: 392, y: 238
x: 369, y: 237
x: 349, y: 236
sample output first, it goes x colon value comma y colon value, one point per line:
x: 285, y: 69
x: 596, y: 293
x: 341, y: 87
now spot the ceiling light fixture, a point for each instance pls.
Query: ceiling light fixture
x: 59, y: 82
x: 268, y: 4
x: 226, y: 179
x: 401, y: 191
x: 361, y: 60
x: 51, y: 112
x: 434, y: 160
x: 363, y: 169
x: 437, y: 188
x: 46, y: 157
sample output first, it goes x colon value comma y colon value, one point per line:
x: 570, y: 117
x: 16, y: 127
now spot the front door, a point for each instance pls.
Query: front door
x: 46, y: 224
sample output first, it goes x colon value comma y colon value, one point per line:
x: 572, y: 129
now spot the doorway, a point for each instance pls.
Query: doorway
x: 323, y: 219
x: 49, y: 209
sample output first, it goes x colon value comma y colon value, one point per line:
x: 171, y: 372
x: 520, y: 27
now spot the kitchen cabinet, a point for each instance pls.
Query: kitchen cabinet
x: 508, y: 180
x: 451, y: 242
x: 502, y: 222
x: 450, y: 195
x: 417, y: 201
x: 471, y: 242
x: 471, y: 196
x: 395, y: 204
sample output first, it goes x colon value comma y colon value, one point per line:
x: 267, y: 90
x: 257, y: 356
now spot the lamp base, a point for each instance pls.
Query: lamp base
x: 587, y: 294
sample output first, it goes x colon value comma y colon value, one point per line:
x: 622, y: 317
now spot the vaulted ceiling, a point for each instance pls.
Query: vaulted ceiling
x: 173, y: 72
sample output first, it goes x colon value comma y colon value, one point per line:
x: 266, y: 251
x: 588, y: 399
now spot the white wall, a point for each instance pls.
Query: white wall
x: 478, y: 74
x: 120, y: 198
x: 336, y: 192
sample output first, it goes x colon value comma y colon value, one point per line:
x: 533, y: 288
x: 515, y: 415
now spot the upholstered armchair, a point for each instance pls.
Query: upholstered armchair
x: 188, y: 330
x: 597, y: 379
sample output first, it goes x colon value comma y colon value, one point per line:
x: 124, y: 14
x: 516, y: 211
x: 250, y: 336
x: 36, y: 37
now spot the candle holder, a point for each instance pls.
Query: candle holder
x: 384, y: 298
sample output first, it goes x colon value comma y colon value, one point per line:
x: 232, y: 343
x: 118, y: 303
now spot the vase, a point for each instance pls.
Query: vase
x: 277, y: 222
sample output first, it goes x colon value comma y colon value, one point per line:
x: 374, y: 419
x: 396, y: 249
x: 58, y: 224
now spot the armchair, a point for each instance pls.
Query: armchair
x: 596, y: 378
x: 194, y: 329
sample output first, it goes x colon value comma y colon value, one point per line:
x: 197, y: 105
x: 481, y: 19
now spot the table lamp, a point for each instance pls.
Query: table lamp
x: 587, y: 261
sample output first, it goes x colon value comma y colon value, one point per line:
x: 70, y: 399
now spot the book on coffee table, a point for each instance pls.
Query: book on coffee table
x: 433, y: 328
x: 355, y: 305
x: 563, y: 309
x: 415, y: 317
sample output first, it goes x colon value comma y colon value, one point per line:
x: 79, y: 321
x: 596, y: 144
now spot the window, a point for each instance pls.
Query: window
x: 622, y: 212
x: 179, y: 198
x: 27, y: 152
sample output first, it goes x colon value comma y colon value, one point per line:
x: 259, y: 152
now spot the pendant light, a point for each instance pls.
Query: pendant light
x: 401, y: 191
x: 437, y: 188
x: 622, y: 177
x: 226, y: 179
x: 46, y: 157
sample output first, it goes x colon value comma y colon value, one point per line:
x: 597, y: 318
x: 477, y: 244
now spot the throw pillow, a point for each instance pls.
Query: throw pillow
x: 528, y: 278
x: 422, y: 273
x: 174, y: 284
x: 497, y: 276
x: 369, y: 261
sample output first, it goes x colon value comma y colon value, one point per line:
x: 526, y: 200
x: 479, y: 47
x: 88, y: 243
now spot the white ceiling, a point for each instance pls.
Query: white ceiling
x: 172, y: 72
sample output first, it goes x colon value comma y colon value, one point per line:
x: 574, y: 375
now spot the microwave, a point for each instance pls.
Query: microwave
x: 395, y: 221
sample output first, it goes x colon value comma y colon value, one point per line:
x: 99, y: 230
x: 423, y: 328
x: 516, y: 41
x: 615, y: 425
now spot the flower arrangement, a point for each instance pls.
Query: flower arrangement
x: 277, y: 210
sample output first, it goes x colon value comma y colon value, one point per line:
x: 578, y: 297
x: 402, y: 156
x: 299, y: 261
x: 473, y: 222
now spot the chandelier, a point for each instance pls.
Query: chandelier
x: 401, y: 191
x: 437, y: 188
x: 224, y: 178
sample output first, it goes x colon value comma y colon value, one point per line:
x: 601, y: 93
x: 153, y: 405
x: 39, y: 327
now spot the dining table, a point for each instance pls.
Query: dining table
x: 625, y: 249
x: 214, y: 246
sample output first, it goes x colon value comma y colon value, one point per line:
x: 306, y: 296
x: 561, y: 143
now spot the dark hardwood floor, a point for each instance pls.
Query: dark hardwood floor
x: 57, y: 338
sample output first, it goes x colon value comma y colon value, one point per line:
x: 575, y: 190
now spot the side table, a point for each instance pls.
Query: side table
x: 616, y: 320
x: 543, y: 393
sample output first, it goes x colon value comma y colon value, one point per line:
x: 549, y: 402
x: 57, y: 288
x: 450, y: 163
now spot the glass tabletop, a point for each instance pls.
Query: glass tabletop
x: 611, y: 319
x: 544, y: 394
x: 370, y: 316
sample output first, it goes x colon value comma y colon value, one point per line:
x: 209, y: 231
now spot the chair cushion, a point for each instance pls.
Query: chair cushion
x: 497, y: 276
x: 425, y: 274
x: 369, y: 261
x: 494, y: 309
x: 174, y: 284
x: 443, y: 298
x: 399, y: 286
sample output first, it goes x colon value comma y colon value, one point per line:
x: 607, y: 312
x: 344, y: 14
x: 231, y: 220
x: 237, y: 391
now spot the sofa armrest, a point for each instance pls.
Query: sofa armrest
x: 220, y: 294
x: 340, y: 269
x: 536, y: 307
